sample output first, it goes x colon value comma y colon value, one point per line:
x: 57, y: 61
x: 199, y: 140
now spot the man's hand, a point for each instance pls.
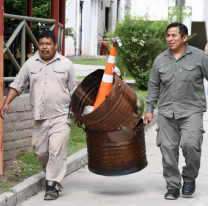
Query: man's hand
x: 115, y: 43
x: 148, y: 118
x: 4, y: 110
x: 206, y: 47
x: 77, y: 122
x: 10, y: 96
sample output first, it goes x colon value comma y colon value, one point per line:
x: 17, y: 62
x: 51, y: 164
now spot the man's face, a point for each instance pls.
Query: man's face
x: 47, y: 48
x: 174, y: 39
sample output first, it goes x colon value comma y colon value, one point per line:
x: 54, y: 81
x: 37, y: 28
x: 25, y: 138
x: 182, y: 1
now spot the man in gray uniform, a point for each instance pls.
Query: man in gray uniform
x: 176, y: 80
x: 52, y: 79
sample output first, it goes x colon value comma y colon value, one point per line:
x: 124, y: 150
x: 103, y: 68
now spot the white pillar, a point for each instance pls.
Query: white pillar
x: 77, y: 26
x: 96, y: 28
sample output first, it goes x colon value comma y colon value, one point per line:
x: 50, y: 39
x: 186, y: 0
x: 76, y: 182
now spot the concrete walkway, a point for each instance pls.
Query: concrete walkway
x: 145, y: 188
x: 84, y: 70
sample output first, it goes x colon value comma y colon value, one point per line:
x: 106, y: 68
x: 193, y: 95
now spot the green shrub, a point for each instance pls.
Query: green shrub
x: 142, y: 41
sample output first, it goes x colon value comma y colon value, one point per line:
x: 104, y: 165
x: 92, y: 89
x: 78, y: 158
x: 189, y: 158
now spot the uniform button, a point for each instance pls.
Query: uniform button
x: 42, y: 102
x: 46, y: 73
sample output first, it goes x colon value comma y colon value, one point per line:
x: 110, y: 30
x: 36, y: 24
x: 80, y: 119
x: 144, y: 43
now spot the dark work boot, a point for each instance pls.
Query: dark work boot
x: 188, y: 188
x: 51, y: 191
x: 172, y: 194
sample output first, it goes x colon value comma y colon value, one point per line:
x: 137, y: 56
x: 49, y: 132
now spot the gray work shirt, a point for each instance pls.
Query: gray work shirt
x: 51, y: 85
x: 178, y: 83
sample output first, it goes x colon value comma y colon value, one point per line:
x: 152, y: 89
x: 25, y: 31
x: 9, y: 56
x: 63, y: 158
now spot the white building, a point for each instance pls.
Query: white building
x: 89, y: 17
x: 158, y: 9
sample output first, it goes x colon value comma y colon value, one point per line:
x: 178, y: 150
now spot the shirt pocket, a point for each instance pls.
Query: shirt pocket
x: 60, y: 74
x: 35, y: 70
x: 166, y: 74
x: 35, y: 73
x: 188, y: 74
x: 59, y: 70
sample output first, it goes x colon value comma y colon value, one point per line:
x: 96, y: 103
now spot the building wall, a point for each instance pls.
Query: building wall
x: 158, y: 9
x: 17, y: 128
x: 70, y: 22
x: 94, y: 17
x: 206, y: 16
x: 92, y: 25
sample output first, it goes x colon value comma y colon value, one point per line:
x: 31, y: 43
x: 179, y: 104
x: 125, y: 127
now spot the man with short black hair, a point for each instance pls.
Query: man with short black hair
x: 52, y: 80
x: 177, y: 80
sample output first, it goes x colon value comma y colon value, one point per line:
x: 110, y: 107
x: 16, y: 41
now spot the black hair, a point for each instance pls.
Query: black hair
x: 47, y: 34
x: 183, y: 30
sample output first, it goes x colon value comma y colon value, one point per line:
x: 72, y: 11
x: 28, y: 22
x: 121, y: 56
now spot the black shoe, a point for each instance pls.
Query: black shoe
x: 51, y: 191
x: 188, y: 188
x: 172, y: 194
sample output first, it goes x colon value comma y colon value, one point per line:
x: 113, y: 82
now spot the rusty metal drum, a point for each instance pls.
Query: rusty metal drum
x: 114, y: 130
x: 116, y: 153
x: 122, y: 108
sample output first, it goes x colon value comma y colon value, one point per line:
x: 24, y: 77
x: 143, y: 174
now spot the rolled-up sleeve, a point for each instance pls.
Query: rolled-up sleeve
x: 72, y: 80
x: 22, y: 80
x: 153, y: 89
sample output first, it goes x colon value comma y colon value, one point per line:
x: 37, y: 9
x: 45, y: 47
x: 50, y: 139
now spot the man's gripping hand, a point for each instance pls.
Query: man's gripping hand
x: 77, y: 122
x: 4, y: 110
x: 148, y: 118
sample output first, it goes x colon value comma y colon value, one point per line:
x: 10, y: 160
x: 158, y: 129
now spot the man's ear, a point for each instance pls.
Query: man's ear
x: 56, y: 46
x: 185, y: 38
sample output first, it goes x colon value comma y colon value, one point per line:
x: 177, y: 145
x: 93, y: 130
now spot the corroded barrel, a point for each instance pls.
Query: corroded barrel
x: 114, y: 130
x: 122, y: 108
x: 116, y: 153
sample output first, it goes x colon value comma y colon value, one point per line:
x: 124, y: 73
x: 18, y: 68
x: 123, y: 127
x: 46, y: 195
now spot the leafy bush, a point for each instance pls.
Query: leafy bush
x: 142, y: 41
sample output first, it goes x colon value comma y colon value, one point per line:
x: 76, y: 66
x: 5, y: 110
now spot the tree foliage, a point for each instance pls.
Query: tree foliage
x: 142, y: 41
x: 41, y: 9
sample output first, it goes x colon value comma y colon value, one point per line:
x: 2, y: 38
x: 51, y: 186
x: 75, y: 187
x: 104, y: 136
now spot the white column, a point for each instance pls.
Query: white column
x: 77, y: 25
x: 96, y: 28
x: 206, y: 16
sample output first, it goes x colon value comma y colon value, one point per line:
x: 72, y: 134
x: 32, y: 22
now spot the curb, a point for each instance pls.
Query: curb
x: 36, y: 183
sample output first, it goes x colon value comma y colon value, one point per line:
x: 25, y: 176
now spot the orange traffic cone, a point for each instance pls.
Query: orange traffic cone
x: 107, y: 80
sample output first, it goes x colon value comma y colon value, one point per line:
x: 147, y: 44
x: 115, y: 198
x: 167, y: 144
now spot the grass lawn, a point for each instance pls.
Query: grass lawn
x: 143, y: 95
x: 91, y: 62
x: 82, y: 77
x: 77, y: 142
x: 26, y: 165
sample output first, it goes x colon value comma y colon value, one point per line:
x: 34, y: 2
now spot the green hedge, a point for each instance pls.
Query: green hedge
x: 142, y: 41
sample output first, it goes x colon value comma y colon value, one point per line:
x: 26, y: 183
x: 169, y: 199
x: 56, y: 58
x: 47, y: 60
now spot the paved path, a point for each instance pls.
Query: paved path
x: 145, y: 188
x: 84, y: 70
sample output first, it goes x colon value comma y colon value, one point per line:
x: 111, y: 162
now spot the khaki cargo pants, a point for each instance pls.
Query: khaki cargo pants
x: 50, y: 143
x: 188, y: 134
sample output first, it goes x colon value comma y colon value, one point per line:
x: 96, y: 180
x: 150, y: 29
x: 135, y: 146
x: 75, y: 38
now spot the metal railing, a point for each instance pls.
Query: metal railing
x: 24, y: 29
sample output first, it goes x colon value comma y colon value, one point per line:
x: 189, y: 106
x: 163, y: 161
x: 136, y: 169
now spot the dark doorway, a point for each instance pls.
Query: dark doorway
x: 80, y: 27
x: 199, y: 41
x: 118, y: 9
x: 107, y: 12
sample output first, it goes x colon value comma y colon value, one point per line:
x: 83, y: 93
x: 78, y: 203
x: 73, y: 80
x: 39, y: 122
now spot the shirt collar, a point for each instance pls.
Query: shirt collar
x: 38, y: 57
x: 187, y: 51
